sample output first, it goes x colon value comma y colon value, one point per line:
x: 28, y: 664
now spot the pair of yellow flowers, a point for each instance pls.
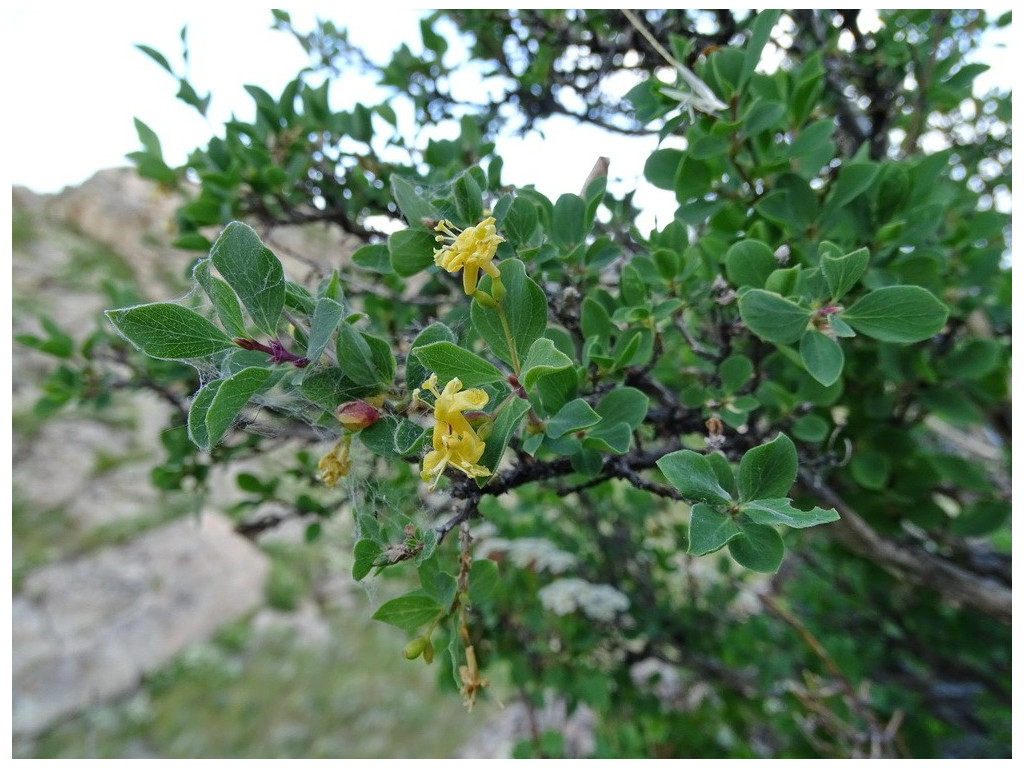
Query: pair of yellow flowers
x: 455, y: 442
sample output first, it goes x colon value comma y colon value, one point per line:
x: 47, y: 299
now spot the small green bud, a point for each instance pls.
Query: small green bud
x: 497, y: 290
x: 417, y: 646
x: 485, y: 299
x: 428, y: 652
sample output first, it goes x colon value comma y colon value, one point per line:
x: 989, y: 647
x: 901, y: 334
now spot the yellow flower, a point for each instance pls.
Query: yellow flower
x: 455, y: 443
x: 336, y: 463
x: 470, y: 250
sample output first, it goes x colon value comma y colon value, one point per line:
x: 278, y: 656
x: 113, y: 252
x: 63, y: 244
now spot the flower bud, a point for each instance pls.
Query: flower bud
x: 428, y: 652
x: 497, y: 290
x: 485, y: 299
x: 356, y: 415
x: 417, y: 646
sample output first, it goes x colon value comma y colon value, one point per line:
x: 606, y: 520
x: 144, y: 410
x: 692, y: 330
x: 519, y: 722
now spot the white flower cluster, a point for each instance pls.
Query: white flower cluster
x: 539, y: 554
x: 598, y: 601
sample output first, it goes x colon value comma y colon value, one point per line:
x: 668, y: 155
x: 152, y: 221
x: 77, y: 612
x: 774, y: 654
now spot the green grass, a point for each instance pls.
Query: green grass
x: 23, y: 228
x: 263, y: 695
x: 42, y: 536
x: 38, y: 537
x: 92, y: 261
x: 292, y: 568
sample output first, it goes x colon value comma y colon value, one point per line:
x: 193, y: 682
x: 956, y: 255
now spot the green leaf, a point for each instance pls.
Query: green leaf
x: 760, y: 548
x: 710, y: 530
x: 413, y: 205
x: 810, y: 428
x: 379, y: 437
x: 526, y: 311
x: 557, y: 389
x: 393, y: 436
x: 230, y: 398
x: 723, y: 471
x: 468, y: 199
x: 822, y: 356
x: 762, y: 115
x: 409, y: 437
x: 169, y: 331
x: 520, y: 222
x: 973, y: 359
x: 773, y: 318
x: 734, y: 372
x: 980, y: 518
x: 768, y: 471
x: 609, y: 437
x: 749, y: 262
x: 595, y: 321
x: 870, y: 469
x: 253, y: 272
x: 156, y: 56
x: 693, y: 476
x: 840, y: 327
x: 148, y: 138
x: 573, y: 416
x: 409, y: 612
x: 365, y: 359
x: 450, y: 361
x: 412, y: 250
x: 326, y: 316
x: 813, y: 146
x: 483, y: 580
x: 900, y: 313
x: 842, y: 273
x: 329, y: 388
x: 624, y: 405
x: 727, y: 66
x: 197, y: 414
x: 709, y: 147
x: 568, y: 226
x: 854, y: 179
x: 229, y: 311
x: 632, y: 287
x: 628, y: 348
x: 298, y: 298
x: 782, y: 512
x: 662, y: 166
x: 542, y: 359
x: 622, y: 411
x: 365, y: 556
x: 383, y: 359
x: 415, y: 372
x: 760, y: 32
x: 505, y: 423
x: 375, y: 257
x: 57, y: 343
x: 437, y: 584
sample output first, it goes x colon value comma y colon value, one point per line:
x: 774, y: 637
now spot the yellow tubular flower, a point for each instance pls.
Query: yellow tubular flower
x: 455, y: 443
x: 470, y: 250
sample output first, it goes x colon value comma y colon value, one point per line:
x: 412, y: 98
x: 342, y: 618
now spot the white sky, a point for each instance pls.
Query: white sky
x: 77, y: 82
x: 87, y: 82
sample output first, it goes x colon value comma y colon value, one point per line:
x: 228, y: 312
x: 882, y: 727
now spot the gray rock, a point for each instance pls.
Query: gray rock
x: 87, y: 630
x: 57, y: 464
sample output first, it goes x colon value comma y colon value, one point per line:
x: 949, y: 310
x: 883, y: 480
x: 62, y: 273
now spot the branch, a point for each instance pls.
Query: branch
x: 923, y: 78
x: 914, y: 565
x: 468, y: 512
